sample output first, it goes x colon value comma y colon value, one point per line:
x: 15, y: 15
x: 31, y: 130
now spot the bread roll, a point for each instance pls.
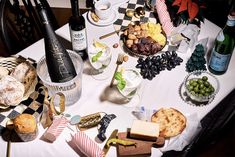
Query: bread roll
x: 25, y: 73
x: 3, y: 72
x: 25, y: 123
x: 11, y: 91
x: 25, y: 126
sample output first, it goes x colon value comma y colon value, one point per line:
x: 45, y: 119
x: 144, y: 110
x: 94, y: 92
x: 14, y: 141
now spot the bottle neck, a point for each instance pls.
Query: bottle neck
x: 44, y: 17
x: 75, y: 7
x: 231, y: 21
x: 42, y: 14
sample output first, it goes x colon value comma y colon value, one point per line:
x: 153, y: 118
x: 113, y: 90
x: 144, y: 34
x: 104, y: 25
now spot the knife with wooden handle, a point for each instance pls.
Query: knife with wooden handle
x: 106, y: 146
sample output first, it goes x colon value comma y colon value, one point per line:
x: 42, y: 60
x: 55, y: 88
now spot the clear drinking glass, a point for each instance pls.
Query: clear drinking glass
x: 71, y: 89
x: 100, y: 58
x: 133, y: 80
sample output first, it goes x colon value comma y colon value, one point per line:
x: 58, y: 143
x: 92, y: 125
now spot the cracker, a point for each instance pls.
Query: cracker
x: 172, y: 122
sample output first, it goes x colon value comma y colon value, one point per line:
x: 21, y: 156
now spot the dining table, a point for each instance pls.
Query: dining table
x: 163, y: 91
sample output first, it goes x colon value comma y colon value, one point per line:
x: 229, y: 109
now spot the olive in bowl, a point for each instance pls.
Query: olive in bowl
x: 201, y: 86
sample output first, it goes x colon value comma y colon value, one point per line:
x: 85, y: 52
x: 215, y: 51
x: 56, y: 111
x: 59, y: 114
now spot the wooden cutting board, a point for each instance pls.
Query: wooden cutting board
x: 142, y: 148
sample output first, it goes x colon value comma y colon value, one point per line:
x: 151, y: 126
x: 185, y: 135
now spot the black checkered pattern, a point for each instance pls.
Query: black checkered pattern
x: 124, y: 20
x: 33, y: 105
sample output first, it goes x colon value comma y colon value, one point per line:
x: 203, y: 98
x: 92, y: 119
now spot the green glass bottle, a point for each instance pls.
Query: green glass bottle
x: 223, y: 48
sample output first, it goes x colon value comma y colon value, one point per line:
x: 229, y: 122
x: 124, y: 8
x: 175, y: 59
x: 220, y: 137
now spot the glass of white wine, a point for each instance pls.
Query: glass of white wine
x: 100, y: 57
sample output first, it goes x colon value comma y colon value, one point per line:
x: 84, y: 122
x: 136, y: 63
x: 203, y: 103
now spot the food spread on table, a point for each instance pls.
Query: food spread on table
x: 145, y: 41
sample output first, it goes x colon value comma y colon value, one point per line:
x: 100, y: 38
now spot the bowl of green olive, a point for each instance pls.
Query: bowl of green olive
x: 201, y: 86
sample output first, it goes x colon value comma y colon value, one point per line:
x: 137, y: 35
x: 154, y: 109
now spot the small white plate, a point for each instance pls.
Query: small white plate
x: 113, y: 17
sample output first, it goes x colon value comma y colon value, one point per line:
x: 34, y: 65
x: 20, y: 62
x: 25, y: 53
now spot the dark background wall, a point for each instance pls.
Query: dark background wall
x: 218, y: 10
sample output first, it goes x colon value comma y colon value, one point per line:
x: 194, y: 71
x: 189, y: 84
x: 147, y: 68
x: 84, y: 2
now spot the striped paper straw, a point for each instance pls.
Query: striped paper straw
x: 164, y: 17
x: 55, y: 129
x: 86, y: 145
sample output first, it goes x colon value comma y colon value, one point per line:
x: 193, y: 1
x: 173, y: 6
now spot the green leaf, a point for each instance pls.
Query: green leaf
x: 118, y: 76
x: 97, y: 56
x: 121, y: 84
x: 121, y: 81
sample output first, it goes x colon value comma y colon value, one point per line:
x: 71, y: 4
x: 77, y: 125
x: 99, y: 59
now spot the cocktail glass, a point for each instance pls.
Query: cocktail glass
x: 100, y: 58
x: 129, y: 89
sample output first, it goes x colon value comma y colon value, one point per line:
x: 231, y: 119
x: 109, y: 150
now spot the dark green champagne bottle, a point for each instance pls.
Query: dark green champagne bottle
x: 223, y: 48
x: 59, y: 64
x: 78, y: 31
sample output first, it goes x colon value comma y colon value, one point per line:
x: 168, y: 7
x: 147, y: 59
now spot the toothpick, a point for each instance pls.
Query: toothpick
x: 121, y: 58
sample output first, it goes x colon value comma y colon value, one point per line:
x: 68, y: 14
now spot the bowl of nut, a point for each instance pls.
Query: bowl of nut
x: 201, y: 86
x: 143, y: 39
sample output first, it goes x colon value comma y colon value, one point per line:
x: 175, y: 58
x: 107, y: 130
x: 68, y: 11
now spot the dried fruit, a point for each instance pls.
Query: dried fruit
x: 115, y: 45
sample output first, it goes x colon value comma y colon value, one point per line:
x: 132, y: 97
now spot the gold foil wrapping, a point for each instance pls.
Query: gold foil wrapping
x: 89, y: 121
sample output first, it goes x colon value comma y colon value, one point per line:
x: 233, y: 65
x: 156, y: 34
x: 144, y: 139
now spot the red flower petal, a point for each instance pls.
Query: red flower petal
x: 193, y: 11
x: 177, y: 2
x: 183, y: 6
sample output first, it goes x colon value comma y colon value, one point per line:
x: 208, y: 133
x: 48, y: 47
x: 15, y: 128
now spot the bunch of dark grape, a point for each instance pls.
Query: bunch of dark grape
x: 152, y: 66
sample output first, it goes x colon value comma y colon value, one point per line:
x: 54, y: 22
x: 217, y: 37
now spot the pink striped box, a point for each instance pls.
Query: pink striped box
x: 87, y: 146
x: 164, y: 17
x: 55, y: 129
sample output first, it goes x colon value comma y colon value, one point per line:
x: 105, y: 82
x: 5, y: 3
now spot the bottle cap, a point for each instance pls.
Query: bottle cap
x: 231, y: 15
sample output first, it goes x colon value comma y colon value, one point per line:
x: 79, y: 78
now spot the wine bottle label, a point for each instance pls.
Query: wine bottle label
x: 78, y: 39
x: 219, y: 62
x: 220, y: 36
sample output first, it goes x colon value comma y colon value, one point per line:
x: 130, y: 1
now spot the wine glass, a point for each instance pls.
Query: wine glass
x: 99, y: 57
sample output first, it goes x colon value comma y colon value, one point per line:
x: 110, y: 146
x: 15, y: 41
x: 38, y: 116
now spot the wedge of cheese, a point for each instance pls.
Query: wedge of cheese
x: 144, y: 130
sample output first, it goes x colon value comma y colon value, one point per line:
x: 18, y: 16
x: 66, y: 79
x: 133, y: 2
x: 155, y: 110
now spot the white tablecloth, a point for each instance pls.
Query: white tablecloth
x: 162, y: 91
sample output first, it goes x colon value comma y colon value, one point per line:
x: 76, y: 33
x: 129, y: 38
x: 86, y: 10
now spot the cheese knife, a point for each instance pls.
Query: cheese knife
x: 113, y: 135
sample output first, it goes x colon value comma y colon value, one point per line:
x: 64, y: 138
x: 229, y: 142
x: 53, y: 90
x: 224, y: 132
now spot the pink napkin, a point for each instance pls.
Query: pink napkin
x: 55, y: 129
x: 86, y: 145
x: 164, y: 17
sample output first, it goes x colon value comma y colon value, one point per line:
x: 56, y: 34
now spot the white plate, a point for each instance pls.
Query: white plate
x: 109, y: 21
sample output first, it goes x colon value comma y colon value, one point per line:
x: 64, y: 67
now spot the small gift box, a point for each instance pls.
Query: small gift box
x: 56, y: 129
x: 86, y: 145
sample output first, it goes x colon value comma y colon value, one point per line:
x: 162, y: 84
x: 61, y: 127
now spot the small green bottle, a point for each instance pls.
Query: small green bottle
x: 223, y: 48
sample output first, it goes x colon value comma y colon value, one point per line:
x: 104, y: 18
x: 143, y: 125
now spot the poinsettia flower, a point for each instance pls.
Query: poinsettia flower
x: 189, y: 11
x: 192, y: 6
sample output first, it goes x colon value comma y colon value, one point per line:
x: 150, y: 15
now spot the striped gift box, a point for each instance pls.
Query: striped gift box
x: 164, y: 17
x: 86, y: 145
x: 56, y: 128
